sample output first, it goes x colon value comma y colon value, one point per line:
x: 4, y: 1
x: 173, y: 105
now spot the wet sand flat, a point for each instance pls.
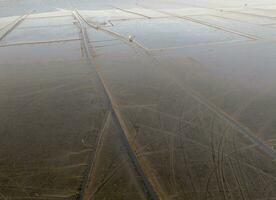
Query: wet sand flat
x: 145, y: 102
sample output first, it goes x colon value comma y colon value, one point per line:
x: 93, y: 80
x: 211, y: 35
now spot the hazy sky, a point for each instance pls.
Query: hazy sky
x: 19, y: 7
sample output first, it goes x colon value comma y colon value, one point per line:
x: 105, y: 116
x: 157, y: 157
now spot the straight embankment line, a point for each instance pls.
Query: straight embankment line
x: 153, y: 192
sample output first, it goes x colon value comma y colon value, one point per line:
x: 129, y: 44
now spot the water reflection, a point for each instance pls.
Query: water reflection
x: 199, y: 119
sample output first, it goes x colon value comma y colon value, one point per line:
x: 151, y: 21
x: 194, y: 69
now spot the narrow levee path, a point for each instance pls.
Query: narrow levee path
x: 150, y: 186
x: 15, y: 24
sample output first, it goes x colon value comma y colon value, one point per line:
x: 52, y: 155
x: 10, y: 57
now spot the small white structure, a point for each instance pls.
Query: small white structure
x: 131, y: 38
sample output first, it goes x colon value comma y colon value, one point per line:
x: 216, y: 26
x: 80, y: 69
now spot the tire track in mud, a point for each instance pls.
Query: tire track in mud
x: 243, y: 130
x: 89, y: 173
x: 121, y: 126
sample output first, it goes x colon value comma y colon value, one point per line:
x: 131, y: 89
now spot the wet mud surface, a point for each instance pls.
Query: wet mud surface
x: 138, y: 102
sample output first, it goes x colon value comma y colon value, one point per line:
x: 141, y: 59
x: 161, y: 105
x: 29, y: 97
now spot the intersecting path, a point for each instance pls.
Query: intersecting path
x: 150, y: 186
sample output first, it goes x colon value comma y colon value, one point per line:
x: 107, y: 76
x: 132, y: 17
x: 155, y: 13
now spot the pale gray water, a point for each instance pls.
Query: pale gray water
x: 184, y: 111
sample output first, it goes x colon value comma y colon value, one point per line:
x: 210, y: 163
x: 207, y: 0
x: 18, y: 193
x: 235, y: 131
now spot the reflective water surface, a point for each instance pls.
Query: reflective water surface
x: 138, y: 100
